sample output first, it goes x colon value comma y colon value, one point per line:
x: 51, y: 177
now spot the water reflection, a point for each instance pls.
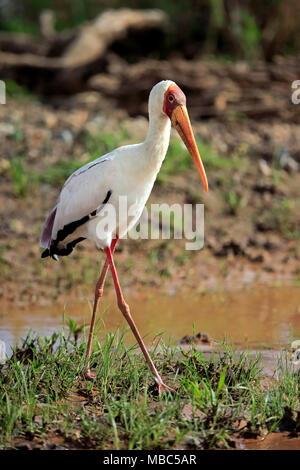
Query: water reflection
x: 261, y: 316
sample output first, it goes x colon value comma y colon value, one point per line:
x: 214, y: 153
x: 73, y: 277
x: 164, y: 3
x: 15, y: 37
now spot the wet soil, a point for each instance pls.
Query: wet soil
x: 274, y: 441
x: 251, y: 210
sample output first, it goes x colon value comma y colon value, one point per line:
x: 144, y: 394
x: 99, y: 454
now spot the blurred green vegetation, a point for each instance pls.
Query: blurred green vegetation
x: 231, y: 28
x: 177, y: 161
x: 24, y: 178
x: 19, y: 92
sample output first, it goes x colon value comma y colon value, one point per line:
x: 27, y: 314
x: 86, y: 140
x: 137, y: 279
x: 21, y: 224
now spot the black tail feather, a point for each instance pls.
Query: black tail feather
x: 45, y: 253
x: 54, y: 250
x: 68, y: 229
x: 48, y: 253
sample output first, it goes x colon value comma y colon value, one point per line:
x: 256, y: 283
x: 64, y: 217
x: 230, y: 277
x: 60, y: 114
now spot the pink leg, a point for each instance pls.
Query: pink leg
x: 123, y: 306
x: 98, y: 295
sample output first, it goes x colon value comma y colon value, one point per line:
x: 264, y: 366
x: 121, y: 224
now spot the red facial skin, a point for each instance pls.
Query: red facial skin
x: 173, y: 97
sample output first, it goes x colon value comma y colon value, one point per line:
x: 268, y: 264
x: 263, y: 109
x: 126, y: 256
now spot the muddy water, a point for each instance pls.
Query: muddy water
x: 256, y: 317
x: 274, y: 441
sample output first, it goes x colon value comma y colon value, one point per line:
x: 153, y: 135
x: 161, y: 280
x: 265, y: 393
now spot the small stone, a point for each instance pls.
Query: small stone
x: 7, y: 129
x: 287, y: 162
x: 264, y: 167
x: 66, y: 136
x: 295, y: 345
x: 2, y: 352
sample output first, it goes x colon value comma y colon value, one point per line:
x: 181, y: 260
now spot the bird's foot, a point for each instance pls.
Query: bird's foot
x: 87, y: 375
x: 162, y: 387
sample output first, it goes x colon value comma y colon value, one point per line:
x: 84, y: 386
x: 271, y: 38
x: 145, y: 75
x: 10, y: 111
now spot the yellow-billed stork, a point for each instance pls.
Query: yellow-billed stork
x: 128, y: 171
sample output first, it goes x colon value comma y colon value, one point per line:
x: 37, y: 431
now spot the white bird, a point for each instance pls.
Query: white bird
x: 128, y: 171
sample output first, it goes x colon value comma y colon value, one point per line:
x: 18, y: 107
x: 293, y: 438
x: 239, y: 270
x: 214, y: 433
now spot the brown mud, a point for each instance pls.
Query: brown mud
x: 274, y: 441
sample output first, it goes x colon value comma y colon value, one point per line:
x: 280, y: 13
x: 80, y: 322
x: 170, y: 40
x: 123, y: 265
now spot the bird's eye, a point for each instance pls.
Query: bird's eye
x: 171, y: 98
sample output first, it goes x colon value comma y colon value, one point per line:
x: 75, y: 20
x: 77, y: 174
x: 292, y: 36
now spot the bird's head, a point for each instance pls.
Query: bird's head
x: 172, y: 102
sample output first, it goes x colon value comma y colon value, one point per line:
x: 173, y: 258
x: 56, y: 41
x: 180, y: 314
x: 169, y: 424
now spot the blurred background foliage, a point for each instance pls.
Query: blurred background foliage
x: 231, y: 29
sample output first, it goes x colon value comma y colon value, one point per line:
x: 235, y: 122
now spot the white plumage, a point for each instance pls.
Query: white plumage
x: 128, y: 171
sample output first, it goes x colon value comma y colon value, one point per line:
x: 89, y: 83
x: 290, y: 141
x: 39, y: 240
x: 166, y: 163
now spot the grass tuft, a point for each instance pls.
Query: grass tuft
x: 42, y: 394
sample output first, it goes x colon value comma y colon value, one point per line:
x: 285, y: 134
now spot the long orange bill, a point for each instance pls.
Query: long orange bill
x: 181, y: 121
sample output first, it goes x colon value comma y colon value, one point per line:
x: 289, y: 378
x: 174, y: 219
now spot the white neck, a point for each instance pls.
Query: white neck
x: 157, y: 140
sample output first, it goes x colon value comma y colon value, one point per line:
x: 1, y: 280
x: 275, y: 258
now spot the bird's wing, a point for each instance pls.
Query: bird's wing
x: 84, y: 191
x: 89, y: 165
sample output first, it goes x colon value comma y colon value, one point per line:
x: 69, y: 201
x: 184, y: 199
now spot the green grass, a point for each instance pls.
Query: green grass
x: 234, y: 200
x: 19, y: 92
x: 20, y: 176
x: 280, y: 216
x: 95, y: 147
x: 42, y: 394
x: 26, y: 178
x: 178, y: 160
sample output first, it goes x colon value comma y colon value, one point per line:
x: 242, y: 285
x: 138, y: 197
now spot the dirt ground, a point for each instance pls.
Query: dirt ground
x: 251, y: 210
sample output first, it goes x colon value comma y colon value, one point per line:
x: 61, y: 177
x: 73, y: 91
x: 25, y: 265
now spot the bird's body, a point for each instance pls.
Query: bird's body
x: 129, y: 171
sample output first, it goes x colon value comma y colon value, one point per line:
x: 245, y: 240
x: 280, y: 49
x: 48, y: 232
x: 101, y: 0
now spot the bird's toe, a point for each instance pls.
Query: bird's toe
x: 162, y: 386
x: 88, y: 375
